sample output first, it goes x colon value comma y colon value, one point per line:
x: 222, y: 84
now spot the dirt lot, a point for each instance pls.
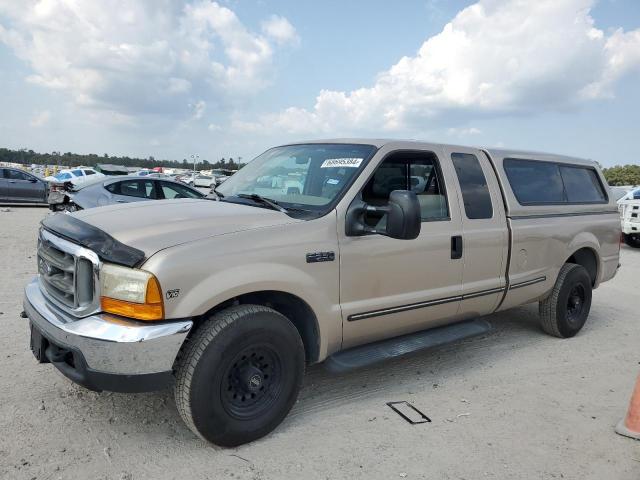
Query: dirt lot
x: 514, y: 403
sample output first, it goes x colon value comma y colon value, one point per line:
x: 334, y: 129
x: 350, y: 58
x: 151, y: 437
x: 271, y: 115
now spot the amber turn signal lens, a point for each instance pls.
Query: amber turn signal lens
x: 152, y: 309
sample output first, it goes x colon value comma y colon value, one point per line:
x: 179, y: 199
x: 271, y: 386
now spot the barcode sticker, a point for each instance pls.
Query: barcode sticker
x: 341, y: 162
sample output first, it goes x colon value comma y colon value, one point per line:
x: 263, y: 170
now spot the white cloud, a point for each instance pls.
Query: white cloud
x: 494, y: 57
x: 279, y: 29
x: 463, y: 132
x: 40, y: 118
x: 142, y: 57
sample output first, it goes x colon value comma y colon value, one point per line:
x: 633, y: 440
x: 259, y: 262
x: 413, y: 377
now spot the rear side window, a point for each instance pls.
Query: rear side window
x: 537, y: 183
x: 89, y: 172
x: 534, y: 182
x: 475, y: 192
x: 134, y: 188
x: 582, y: 185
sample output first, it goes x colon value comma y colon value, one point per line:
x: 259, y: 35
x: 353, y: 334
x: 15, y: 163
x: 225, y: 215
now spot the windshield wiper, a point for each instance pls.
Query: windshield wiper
x: 217, y: 193
x: 265, y: 201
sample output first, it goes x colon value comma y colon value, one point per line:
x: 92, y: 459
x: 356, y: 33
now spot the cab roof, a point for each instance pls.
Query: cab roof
x: 493, y: 152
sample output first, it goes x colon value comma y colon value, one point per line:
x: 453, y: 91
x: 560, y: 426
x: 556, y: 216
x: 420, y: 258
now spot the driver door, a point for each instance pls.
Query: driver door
x: 390, y: 287
x: 22, y: 187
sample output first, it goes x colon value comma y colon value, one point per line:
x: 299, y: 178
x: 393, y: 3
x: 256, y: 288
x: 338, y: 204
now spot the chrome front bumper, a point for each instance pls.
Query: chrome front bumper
x: 110, y: 345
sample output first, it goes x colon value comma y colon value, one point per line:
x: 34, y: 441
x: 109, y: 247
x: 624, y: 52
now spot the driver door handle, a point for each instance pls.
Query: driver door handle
x: 456, y: 247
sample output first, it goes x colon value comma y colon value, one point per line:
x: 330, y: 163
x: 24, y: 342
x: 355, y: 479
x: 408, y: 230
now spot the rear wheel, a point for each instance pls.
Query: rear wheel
x: 632, y: 239
x: 239, y: 375
x: 564, y: 312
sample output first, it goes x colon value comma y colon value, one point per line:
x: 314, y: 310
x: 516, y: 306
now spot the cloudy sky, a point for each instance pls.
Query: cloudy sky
x: 170, y: 78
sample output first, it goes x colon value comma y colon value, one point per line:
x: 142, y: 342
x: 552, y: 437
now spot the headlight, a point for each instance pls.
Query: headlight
x: 130, y: 292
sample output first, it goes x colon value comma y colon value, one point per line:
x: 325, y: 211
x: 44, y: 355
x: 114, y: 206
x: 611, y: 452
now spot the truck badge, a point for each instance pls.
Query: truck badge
x: 173, y: 293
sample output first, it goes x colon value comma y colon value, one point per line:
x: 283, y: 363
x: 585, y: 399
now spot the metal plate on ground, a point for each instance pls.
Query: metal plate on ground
x: 410, y: 413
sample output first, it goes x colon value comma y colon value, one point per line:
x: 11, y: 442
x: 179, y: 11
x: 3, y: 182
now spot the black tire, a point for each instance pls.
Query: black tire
x: 632, y: 239
x: 239, y: 375
x: 564, y: 312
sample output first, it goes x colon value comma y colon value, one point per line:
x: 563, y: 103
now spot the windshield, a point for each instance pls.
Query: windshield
x: 63, y: 176
x: 303, y: 177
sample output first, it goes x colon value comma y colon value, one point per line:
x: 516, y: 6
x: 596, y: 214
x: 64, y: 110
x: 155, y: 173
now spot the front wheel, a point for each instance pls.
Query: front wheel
x: 564, y: 312
x: 632, y: 239
x: 239, y: 375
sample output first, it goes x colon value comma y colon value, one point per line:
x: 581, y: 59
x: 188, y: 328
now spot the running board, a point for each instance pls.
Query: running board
x: 370, y: 354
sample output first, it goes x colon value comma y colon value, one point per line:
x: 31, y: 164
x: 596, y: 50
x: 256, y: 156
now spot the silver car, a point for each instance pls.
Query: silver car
x: 128, y: 189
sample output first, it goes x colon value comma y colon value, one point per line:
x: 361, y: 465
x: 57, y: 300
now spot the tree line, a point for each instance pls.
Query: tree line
x: 618, y: 175
x: 28, y: 157
x: 622, y: 175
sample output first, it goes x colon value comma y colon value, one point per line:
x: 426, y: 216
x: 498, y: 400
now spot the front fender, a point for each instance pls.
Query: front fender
x: 198, y: 276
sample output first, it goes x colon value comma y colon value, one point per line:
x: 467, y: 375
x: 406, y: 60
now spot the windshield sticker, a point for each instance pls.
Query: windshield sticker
x: 341, y: 162
x: 333, y: 181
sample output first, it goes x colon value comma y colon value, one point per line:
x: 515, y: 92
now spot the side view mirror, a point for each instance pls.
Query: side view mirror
x: 33, y: 180
x: 402, y: 213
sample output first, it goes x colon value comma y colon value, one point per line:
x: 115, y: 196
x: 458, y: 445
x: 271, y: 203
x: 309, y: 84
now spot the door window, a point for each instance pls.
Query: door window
x: 134, y: 188
x: 475, y: 192
x: 77, y: 173
x: 89, y: 172
x: 418, y: 172
x: 170, y: 190
x: 16, y: 175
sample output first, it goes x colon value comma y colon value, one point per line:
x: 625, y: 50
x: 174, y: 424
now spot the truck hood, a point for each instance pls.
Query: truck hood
x: 154, y: 225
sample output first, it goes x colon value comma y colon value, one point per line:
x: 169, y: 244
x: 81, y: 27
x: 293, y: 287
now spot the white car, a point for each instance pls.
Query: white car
x: 629, y: 207
x: 76, y: 176
x: 202, y: 181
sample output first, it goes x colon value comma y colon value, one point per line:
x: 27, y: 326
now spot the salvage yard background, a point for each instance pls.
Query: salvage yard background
x: 514, y: 403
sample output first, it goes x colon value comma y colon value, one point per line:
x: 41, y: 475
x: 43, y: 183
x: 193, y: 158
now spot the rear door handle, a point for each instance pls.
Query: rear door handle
x: 456, y: 247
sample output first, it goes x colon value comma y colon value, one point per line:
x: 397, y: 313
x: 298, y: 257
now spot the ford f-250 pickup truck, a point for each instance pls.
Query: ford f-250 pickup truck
x: 314, y: 251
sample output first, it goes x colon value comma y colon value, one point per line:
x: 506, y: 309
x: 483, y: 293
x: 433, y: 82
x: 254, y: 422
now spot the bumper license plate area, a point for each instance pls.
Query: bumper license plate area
x: 38, y: 345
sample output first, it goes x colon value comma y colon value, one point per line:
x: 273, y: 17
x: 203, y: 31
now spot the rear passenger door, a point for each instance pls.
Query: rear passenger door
x: 484, y: 231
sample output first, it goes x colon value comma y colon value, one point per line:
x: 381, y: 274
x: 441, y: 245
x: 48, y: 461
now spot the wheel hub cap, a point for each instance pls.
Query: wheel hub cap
x: 252, y: 382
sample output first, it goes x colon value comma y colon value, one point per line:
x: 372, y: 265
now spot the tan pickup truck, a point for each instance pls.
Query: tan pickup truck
x: 342, y: 250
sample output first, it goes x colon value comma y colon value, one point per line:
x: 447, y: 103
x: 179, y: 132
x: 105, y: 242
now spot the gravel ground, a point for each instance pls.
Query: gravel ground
x: 514, y: 403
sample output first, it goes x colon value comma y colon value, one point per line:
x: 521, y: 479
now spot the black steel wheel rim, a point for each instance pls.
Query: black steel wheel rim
x: 252, y: 382
x: 575, y: 303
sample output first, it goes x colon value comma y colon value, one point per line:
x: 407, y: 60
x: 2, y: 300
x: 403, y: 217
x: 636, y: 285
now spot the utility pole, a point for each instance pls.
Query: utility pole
x: 194, y: 157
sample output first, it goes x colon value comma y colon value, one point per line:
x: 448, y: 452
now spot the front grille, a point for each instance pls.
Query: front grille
x: 68, y: 274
